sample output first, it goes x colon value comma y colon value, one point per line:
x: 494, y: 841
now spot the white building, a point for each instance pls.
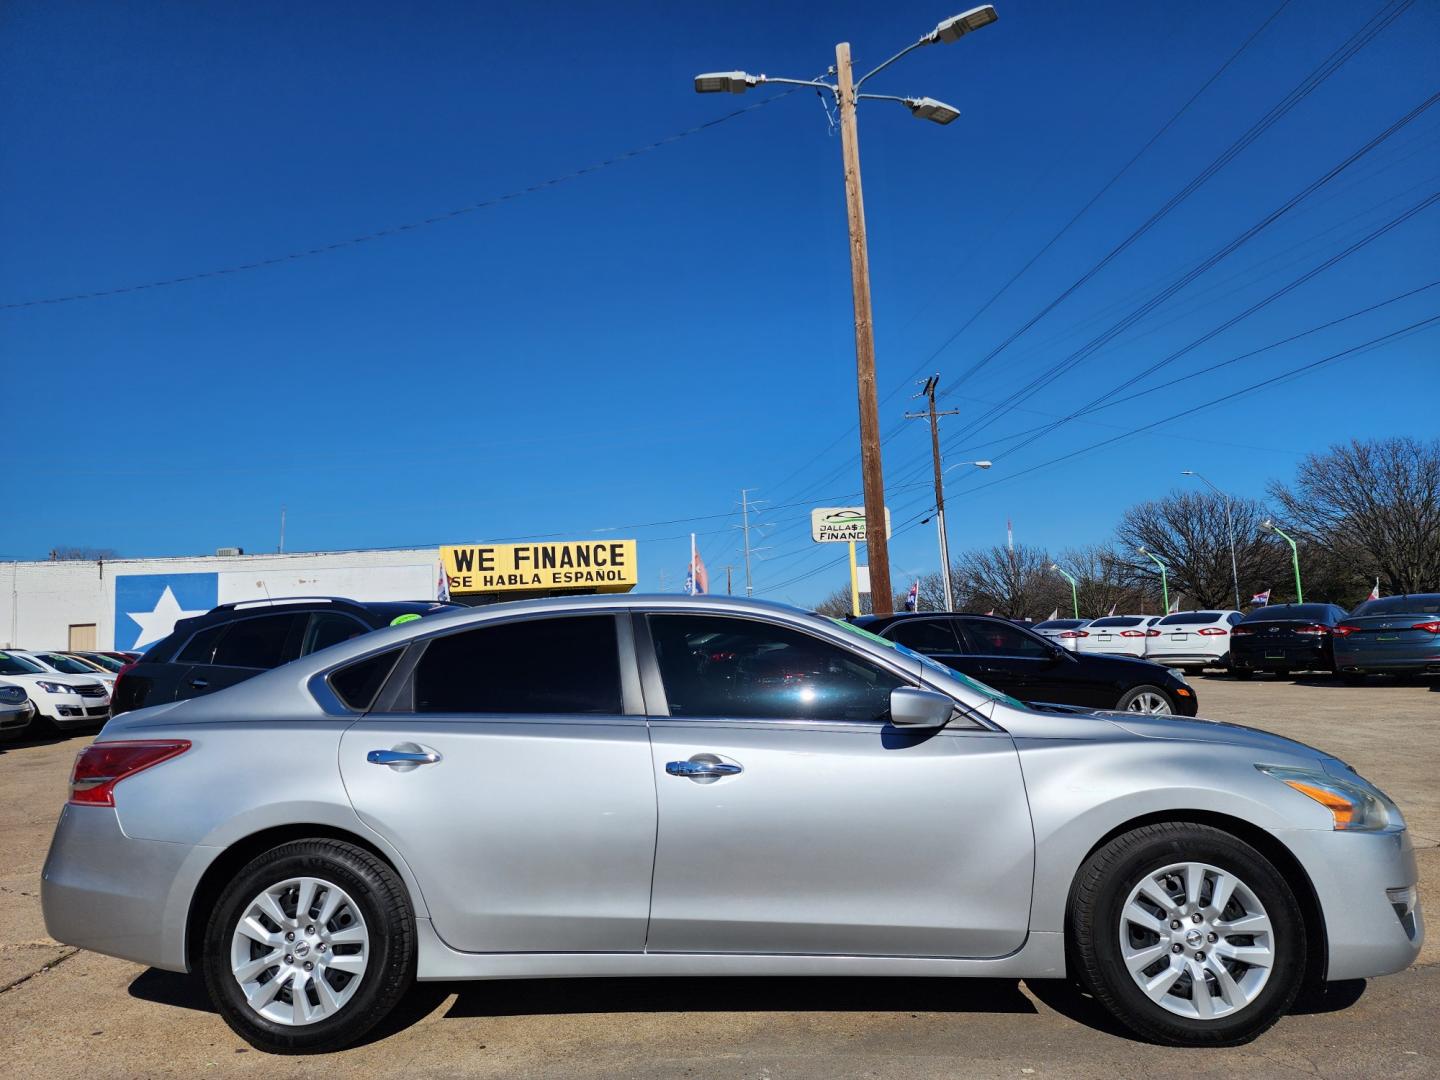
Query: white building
x: 131, y: 603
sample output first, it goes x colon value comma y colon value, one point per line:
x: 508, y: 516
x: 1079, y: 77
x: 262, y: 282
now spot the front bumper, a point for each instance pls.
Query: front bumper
x: 1351, y: 871
x: 15, y: 719
x: 112, y: 894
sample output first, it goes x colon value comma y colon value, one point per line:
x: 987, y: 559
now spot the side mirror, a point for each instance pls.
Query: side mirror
x: 912, y: 708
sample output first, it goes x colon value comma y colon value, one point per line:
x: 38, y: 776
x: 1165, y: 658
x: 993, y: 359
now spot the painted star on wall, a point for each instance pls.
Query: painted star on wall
x: 157, y: 624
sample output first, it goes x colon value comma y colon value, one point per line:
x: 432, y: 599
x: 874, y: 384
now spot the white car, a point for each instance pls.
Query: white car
x: 1192, y: 640
x: 16, y: 711
x: 1067, y: 633
x: 67, y: 701
x: 65, y: 664
x: 1118, y: 635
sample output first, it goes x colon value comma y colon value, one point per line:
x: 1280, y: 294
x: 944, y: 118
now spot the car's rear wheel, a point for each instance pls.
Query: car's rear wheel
x: 1146, y: 699
x: 1187, y: 934
x: 310, y: 946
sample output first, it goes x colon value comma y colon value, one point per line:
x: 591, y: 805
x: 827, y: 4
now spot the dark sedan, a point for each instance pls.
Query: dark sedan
x: 1021, y: 663
x: 1396, y: 635
x: 1282, y: 638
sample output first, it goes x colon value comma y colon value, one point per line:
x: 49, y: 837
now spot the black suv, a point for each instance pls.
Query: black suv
x: 235, y: 642
x: 1021, y: 663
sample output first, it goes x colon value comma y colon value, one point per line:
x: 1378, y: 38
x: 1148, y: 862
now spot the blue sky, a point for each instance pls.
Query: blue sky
x: 636, y: 345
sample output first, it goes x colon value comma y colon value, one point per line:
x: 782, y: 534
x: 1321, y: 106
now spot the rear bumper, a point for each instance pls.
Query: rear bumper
x: 1288, y: 657
x: 1351, y: 872
x: 112, y: 894
x: 1419, y: 659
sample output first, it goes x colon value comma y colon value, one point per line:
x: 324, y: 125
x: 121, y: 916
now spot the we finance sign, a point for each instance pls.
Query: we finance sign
x: 585, y: 566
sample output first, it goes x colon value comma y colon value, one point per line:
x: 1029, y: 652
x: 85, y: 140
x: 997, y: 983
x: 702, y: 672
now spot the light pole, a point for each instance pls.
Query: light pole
x: 1074, y: 595
x: 1164, y: 577
x: 846, y: 92
x: 1268, y: 526
x: 944, y: 533
x: 1229, y: 529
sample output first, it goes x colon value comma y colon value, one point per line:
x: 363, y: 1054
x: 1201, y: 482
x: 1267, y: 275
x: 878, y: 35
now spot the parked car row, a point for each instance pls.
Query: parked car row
x: 60, y: 690
x: 1396, y: 635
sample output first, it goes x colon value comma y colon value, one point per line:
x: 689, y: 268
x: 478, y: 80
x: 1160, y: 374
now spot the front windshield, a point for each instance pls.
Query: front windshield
x: 934, y: 666
x: 100, y: 660
x: 67, y: 665
x: 18, y: 665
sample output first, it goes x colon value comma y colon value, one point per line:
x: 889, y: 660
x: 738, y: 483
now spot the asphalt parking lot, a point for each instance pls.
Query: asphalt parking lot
x: 72, y: 1012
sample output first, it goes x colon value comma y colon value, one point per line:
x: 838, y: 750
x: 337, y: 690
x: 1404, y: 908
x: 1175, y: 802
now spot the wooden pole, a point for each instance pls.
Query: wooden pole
x: 877, y: 545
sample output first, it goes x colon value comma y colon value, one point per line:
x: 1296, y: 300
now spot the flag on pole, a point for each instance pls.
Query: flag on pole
x: 1375, y: 592
x: 912, y: 598
x: 697, y: 581
x: 1054, y: 615
x: 990, y: 612
x: 1260, y: 599
x: 442, y: 586
x: 1111, y: 611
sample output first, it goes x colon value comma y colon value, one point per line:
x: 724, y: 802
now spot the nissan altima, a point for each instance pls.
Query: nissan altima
x: 653, y: 786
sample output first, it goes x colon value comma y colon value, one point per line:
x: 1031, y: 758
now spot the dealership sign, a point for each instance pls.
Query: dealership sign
x: 583, y: 566
x: 841, y: 524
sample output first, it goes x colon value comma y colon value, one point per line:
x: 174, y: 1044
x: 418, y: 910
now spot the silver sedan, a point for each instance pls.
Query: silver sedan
x: 675, y: 786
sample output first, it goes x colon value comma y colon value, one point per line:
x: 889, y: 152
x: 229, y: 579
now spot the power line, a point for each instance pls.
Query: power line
x: 396, y: 230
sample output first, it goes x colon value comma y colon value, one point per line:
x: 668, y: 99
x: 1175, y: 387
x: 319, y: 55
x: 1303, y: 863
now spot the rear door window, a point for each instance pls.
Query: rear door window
x: 929, y: 636
x: 535, y: 666
x: 263, y: 642
x: 200, y: 649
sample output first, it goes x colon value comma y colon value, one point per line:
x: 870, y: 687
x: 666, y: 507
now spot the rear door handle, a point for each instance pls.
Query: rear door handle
x: 702, y: 769
x: 199, y: 684
x: 402, y: 757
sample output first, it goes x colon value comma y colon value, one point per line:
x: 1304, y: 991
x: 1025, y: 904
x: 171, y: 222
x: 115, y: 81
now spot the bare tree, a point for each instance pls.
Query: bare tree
x: 1188, y: 530
x: 1374, y: 506
x: 82, y: 554
x: 1015, y: 583
x: 1106, y: 580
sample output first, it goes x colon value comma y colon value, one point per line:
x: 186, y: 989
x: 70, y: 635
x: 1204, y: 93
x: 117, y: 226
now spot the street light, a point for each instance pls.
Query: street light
x: 846, y: 92
x: 1164, y: 577
x: 944, y: 533
x: 1269, y: 526
x: 1074, y: 595
x: 1229, y: 528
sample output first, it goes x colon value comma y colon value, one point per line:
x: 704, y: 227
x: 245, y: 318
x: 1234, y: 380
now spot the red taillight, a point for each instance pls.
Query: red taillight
x: 100, y: 766
x: 1243, y: 631
x: 1212, y: 631
x: 1314, y: 629
x: 1132, y: 633
x: 1344, y: 631
x: 1075, y: 633
x: 1152, y: 633
x: 1431, y: 627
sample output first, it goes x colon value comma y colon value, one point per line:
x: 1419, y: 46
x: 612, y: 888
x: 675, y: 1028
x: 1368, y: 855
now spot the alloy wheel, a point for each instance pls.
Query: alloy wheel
x: 299, y: 951
x: 1196, y: 940
x: 1148, y: 701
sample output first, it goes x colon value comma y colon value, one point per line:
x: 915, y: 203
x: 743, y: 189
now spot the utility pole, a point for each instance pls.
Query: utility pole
x: 728, y: 568
x: 928, y: 392
x: 745, y: 526
x: 877, y: 544
x: 282, y: 530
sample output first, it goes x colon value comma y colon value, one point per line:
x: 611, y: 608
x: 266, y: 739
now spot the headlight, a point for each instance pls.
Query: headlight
x: 12, y: 695
x: 1352, y: 806
x: 1175, y: 673
x: 54, y: 687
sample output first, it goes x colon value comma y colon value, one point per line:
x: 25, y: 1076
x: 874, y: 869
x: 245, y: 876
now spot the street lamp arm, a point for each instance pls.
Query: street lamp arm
x: 818, y: 84
x: 928, y: 39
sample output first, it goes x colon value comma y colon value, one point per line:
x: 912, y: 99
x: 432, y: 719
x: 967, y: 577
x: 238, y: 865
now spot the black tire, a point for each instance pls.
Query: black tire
x: 1101, y: 889
x: 1135, y: 691
x: 1242, y: 674
x: 388, y: 917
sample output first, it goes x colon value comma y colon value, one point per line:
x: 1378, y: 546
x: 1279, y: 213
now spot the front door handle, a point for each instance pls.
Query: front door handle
x: 702, y: 768
x: 199, y: 684
x: 402, y: 757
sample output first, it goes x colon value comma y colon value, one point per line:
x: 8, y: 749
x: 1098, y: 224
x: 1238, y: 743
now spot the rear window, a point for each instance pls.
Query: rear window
x: 1059, y: 624
x: 1119, y: 620
x: 1427, y: 604
x: 1284, y: 612
x: 1191, y: 618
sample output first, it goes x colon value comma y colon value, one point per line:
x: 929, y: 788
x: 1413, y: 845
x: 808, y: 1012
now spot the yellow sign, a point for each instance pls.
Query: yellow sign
x: 583, y: 565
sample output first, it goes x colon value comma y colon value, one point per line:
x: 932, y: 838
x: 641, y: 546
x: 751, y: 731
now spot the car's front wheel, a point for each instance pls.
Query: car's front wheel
x: 310, y: 945
x: 1146, y: 699
x: 1187, y: 934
